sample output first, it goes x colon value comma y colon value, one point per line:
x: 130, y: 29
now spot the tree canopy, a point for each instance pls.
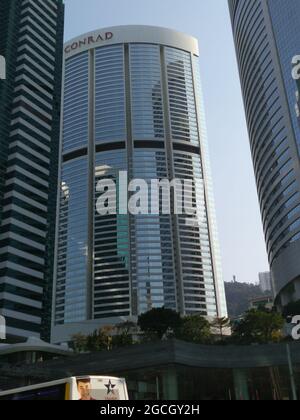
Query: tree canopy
x: 158, y: 321
x: 195, y: 329
x: 258, y: 326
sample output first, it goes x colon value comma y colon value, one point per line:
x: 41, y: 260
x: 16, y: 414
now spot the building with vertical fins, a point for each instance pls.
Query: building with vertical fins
x: 31, y: 40
x: 267, y: 38
x: 132, y: 102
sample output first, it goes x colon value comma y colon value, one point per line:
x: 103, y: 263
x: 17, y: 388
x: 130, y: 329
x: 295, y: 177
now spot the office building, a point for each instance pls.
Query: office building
x: 267, y: 39
x: 132, y: 103
x: 265, y: 282
x: 31, y: 40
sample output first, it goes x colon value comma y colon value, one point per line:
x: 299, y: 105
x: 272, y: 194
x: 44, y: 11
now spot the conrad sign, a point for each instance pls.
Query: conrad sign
x: 89, y: 40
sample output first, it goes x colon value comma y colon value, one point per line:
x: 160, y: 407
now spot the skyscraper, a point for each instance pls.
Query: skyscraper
x: 265, y: 282
x: 132, y: 103
x: 267, y: 38
x: 31, y: 40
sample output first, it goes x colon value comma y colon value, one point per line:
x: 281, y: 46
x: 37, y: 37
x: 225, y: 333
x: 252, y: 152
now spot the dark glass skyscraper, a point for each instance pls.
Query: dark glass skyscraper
x: 31, y: 39
x: 132, y: 102
x: 267, y: 37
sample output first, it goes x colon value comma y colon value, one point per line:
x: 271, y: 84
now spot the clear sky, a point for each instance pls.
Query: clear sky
x: 239, y: 222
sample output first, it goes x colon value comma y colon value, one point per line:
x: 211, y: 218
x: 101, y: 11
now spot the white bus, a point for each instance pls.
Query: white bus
x: 81, y: 388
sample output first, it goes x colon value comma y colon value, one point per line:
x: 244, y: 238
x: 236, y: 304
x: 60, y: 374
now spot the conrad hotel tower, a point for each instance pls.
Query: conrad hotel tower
x: 132, y: 103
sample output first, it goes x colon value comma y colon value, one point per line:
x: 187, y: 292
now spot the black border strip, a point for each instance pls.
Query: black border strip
x: 76, y: 154
x: 187, y: 148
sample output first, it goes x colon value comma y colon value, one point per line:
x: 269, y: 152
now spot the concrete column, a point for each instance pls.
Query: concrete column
x: 170, y: 385
x: 241, y: 385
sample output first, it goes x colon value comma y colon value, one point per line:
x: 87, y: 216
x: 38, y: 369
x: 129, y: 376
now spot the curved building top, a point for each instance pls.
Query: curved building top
x: 131, y: 34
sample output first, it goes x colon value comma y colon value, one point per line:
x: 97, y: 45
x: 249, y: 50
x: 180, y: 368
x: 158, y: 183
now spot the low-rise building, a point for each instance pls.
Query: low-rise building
x: 176, y: 370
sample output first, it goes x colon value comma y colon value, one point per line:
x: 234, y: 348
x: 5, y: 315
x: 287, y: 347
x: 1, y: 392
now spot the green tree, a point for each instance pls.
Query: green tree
x: 124, y: 334
x: 107, y: 336
x: 79, y: 342
x: 158, y: 321
x: 292, y: 309
x: 195, y: 329
x: 100, y: 339
x: 259, y: 327
x: 95, y: 341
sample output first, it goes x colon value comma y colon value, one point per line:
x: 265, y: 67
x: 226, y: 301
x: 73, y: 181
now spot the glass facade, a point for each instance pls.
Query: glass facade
x: 76, y: 103
x: 209, y: 195
x: 172, y: 383
x: 153, y: 268
x: 195, y: 245
x: 111, y: 246
x: 265, y: 46
x: 31, y: 39
x: 287, y: 41
x: 146, y: 92
x: 143, y: 119
x: 182, y: 96
x: 72, y: 248
x: 110, y: 123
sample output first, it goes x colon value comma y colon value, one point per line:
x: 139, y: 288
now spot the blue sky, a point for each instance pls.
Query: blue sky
x: 239, y: 222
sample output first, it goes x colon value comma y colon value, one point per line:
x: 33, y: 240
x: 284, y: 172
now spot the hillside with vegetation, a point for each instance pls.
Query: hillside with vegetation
x: 239, y: 295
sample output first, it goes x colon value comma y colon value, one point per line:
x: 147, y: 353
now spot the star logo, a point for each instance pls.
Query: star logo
x: 110, y: 388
